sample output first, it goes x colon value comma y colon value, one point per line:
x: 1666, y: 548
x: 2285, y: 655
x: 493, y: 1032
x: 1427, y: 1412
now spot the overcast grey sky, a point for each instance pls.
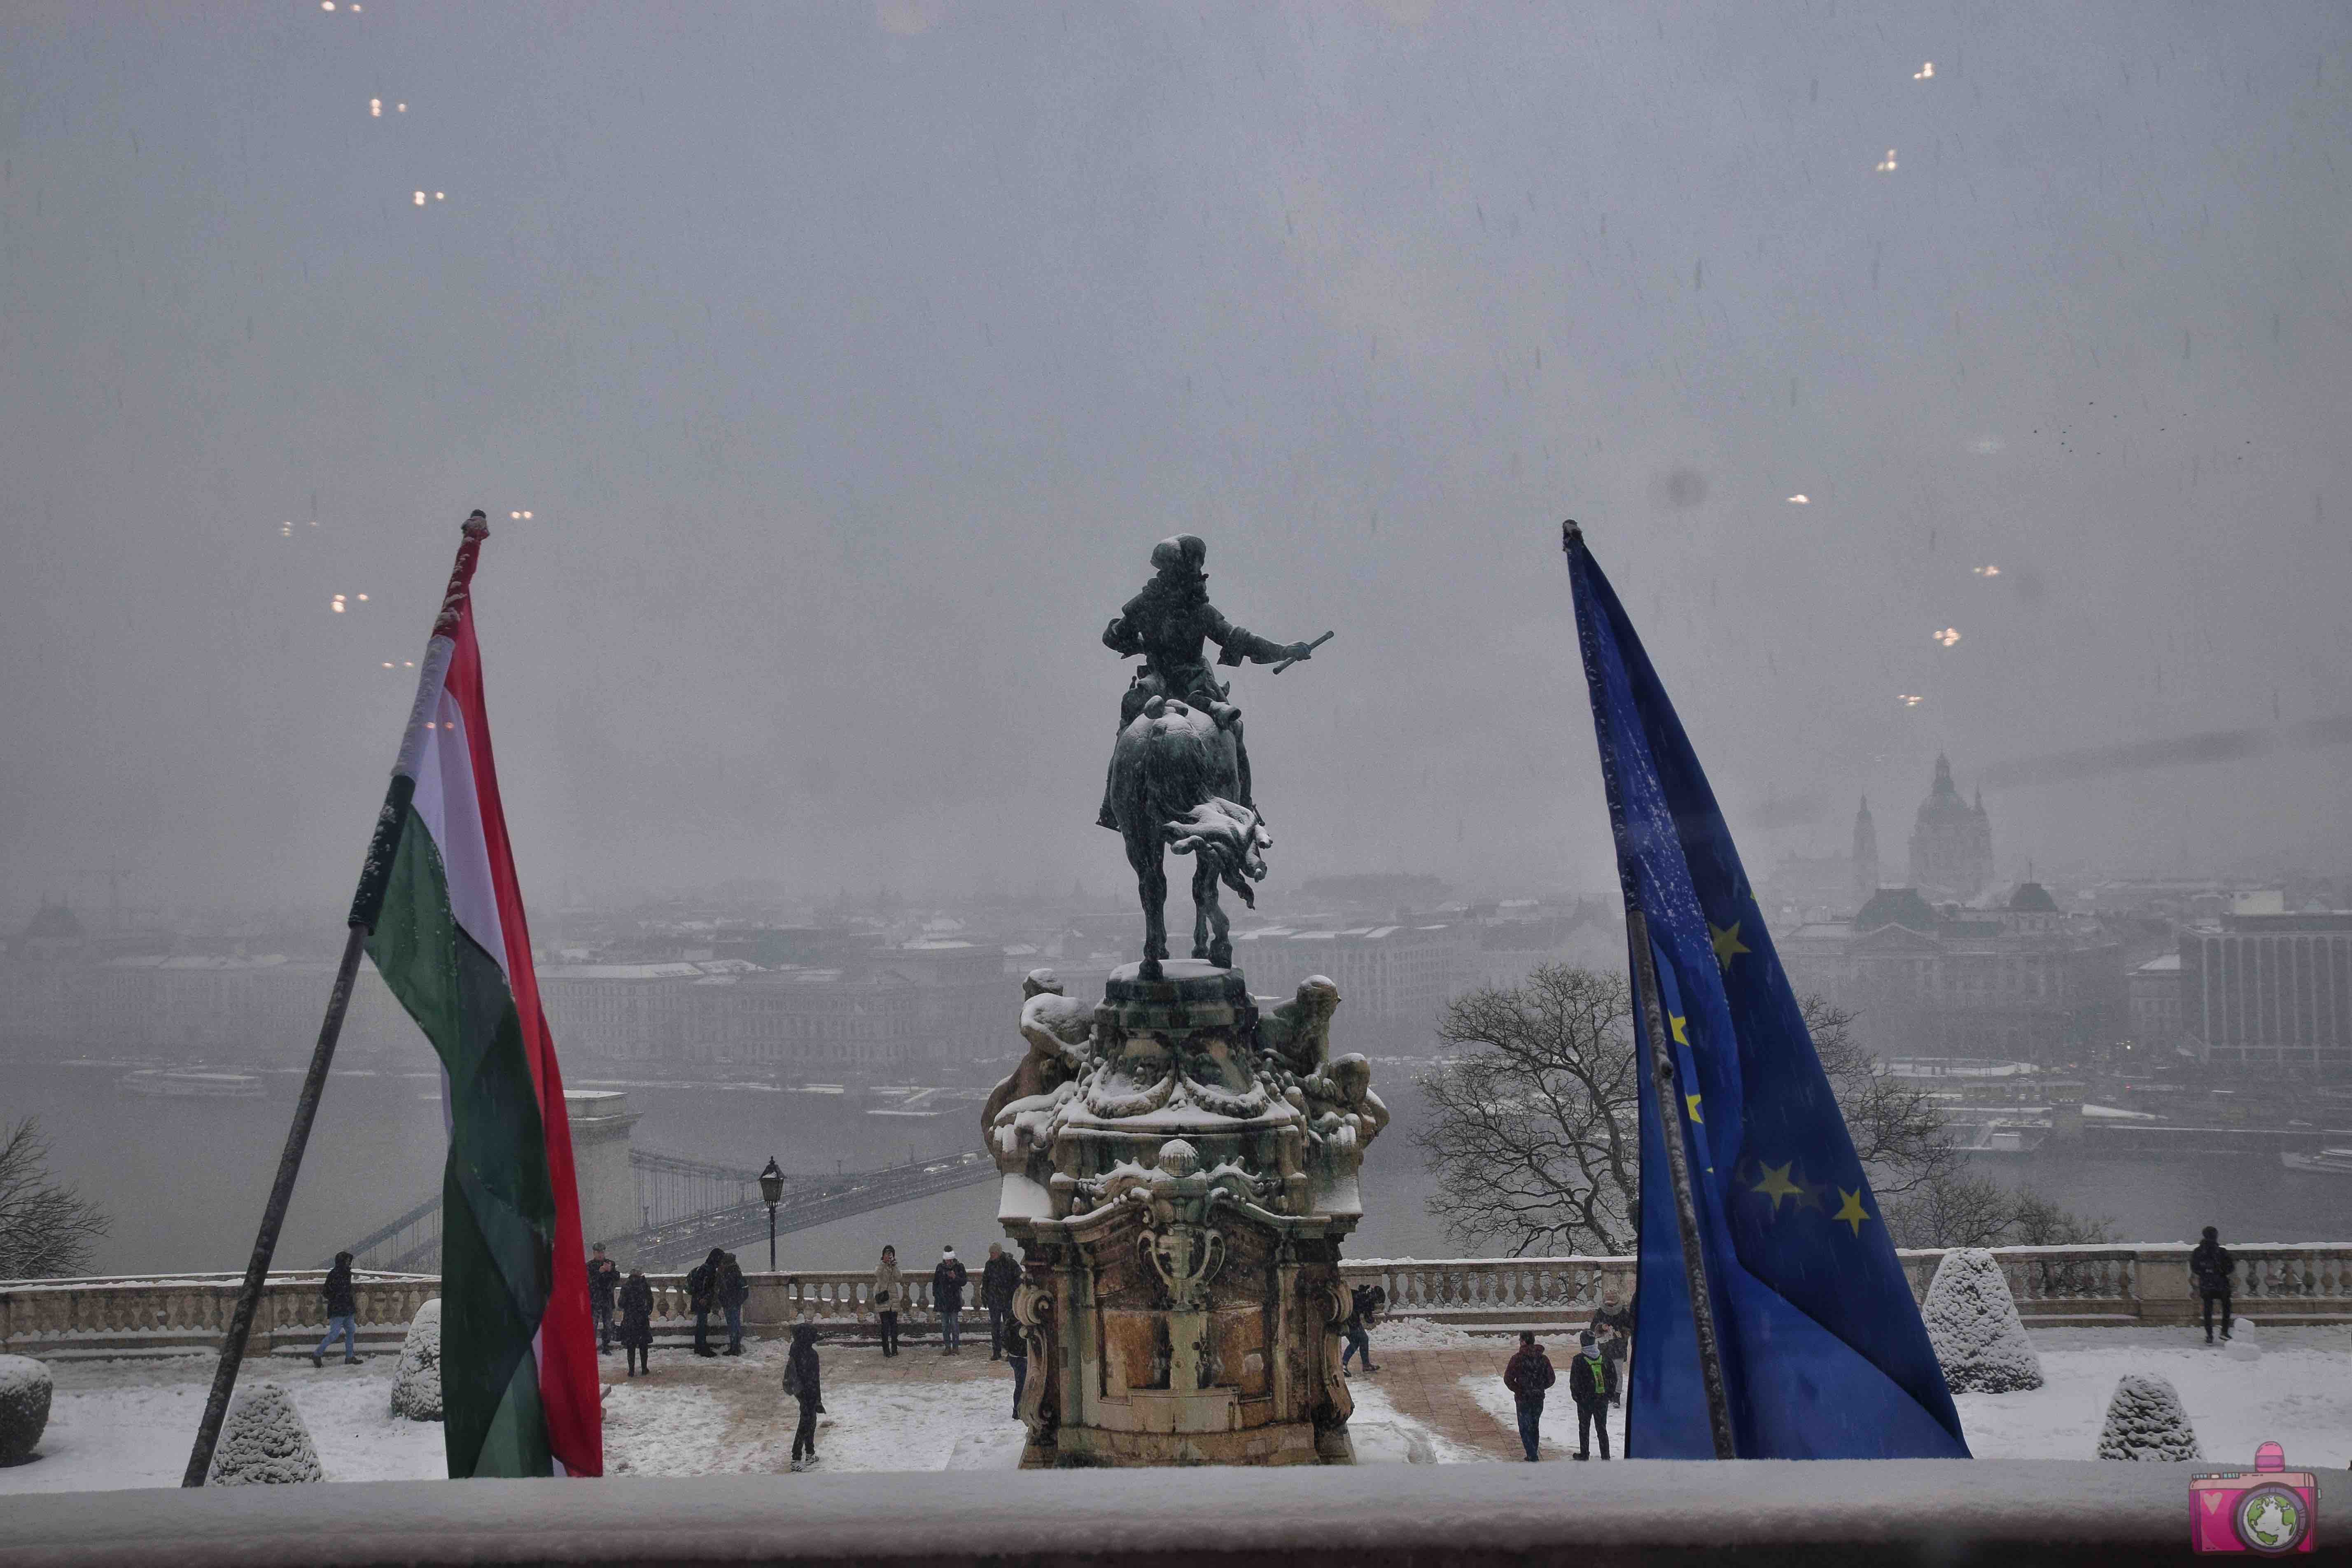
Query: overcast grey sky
x: 850, y: 358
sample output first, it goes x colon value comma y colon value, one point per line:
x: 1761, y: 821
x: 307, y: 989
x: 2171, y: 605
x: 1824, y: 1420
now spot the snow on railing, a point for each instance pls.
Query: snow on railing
x: 2119, y: 1283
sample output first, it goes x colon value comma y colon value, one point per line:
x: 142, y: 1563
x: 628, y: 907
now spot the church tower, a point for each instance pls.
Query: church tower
x: 1951, y: 843
x: 1866, y: 855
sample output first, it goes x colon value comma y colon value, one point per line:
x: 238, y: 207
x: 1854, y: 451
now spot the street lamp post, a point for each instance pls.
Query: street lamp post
x: 771, y: 1192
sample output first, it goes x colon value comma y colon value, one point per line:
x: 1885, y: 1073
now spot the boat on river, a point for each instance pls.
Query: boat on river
x: 158, y: 1084
x: 2326, y: 1163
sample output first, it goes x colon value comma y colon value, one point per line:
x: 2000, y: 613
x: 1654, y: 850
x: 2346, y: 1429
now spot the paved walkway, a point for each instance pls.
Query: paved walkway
x: 1424, y: 1385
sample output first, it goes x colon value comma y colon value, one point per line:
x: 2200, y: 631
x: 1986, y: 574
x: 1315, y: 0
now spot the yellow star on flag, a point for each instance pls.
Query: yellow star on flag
x: 1676, y: 1025
x: 1854, y: 1214
x: 1693, y: 1101
x: 1727, y: 945
x: 1776, y: 1185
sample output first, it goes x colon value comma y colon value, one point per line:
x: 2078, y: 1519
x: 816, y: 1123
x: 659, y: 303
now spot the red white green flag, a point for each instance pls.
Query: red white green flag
x: 445, y: 918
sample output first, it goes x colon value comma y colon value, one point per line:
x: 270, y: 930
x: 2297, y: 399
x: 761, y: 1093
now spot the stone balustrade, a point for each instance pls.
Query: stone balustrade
x: 190, y: 1311
x: 2132, y: 1283
x: 2128, y: 1283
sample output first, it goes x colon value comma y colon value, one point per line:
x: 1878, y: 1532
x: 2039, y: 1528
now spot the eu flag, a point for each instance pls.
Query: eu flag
x: 1822, y: 1351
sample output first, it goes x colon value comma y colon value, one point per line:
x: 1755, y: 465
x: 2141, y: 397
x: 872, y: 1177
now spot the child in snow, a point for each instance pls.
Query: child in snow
x: 801, y: 1383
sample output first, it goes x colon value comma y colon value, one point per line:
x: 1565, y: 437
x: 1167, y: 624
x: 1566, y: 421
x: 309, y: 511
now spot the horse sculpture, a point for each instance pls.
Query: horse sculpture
x: 1173, y: 775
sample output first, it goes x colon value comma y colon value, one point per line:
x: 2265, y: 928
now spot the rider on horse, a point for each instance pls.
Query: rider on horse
x: 1167, y: 624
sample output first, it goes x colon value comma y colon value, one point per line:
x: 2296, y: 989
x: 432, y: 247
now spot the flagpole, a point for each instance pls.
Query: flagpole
x: 1669, y: 1093
x: 306, y: 1108
x: 281, y: 1192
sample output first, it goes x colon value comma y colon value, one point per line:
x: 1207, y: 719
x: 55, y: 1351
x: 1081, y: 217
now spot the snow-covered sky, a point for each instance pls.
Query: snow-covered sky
x: 848, y: 360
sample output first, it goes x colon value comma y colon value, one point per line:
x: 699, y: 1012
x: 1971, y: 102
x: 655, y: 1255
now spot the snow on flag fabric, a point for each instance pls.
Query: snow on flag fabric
x: 445, y: 919
x: 1824, y: 1355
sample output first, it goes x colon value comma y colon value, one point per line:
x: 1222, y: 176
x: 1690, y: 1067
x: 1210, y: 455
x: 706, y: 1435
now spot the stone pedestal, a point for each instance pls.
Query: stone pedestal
x: 1180, y: 1170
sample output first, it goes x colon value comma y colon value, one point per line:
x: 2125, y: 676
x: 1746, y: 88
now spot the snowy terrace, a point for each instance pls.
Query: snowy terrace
x: 1433, y: 1420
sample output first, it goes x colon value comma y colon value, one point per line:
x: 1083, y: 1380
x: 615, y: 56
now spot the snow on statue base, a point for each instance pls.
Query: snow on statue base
x: 1180, y: 1168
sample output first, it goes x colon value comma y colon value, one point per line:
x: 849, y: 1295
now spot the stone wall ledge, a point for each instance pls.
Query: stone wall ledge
x: 2016, y: 1513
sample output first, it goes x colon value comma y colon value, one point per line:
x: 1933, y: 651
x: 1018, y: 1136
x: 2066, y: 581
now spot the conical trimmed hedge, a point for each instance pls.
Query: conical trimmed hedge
x: 1972, y: 1323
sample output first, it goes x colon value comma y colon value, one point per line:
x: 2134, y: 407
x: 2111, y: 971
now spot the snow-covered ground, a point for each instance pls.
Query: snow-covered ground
x: 2296, y: 1393
x: 129, y: 1422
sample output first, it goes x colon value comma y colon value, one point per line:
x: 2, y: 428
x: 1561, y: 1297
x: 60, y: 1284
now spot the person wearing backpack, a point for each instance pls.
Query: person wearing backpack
x: 702, y: 1294
x: 733, y: 1291
x: 342, y: 1313
x: 801, y: 1383
x: 1593, y: 1383
x: 2211, y: 1266
x: 1526, y: 1376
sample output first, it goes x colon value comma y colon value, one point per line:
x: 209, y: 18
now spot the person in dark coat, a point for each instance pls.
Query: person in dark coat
x: 702, y: 1294
x: 1593, y: 1383
x: 732, y: 1292
x: 998, y: 1280
x: 342, y: 1313
x: 801, y: 1382
x: 947, y: 1295
x: 1528, y: 1375
x: 603, y: 1279
x: 1364, y: 1304
x: 889, y: 1299
x: 2211, y: 1266
x: 1016, y: 1356
x: 636, y: 1303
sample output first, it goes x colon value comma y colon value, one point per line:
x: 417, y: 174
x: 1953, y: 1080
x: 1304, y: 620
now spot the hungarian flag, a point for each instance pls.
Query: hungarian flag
x: 443, y: 916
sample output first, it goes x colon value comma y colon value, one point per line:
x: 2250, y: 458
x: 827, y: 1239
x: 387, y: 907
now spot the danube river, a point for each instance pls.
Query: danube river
x: 183, y: 1180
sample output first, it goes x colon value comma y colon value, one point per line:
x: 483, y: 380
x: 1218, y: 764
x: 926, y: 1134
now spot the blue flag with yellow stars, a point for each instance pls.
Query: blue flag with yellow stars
x: 1824, y: 1356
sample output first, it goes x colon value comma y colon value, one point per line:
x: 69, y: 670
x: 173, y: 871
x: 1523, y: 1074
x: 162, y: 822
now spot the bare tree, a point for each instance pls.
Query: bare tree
x: 45, y: 1229
x: 1953, y: 1209
x: 1534, y: 1140
x: 1898, y: 1133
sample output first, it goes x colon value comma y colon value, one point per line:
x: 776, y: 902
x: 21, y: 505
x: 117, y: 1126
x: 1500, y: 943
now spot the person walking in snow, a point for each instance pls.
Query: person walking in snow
x: 1593, y: 1383
x: 636, y: 1300
x: 1364, y: 1304
x: 342, y: 1313
x: 2211, y: 1266
x: 889, y: 1296
x: 732, y: 1292
x: 947, y: 1295
x: 801, y: 1383
x: 702, y: 1294
x: 603, y: 1279
x: 999, y: 1278
x: 1526, y: 1376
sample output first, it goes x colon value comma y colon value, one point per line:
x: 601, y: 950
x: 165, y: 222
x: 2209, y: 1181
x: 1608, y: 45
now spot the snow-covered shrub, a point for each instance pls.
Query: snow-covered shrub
x: 416, y: 1386
x: 1973, y: 1325
x: 264, y: 1443
x: 2144, y: 1421
x: 24, y: 1406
